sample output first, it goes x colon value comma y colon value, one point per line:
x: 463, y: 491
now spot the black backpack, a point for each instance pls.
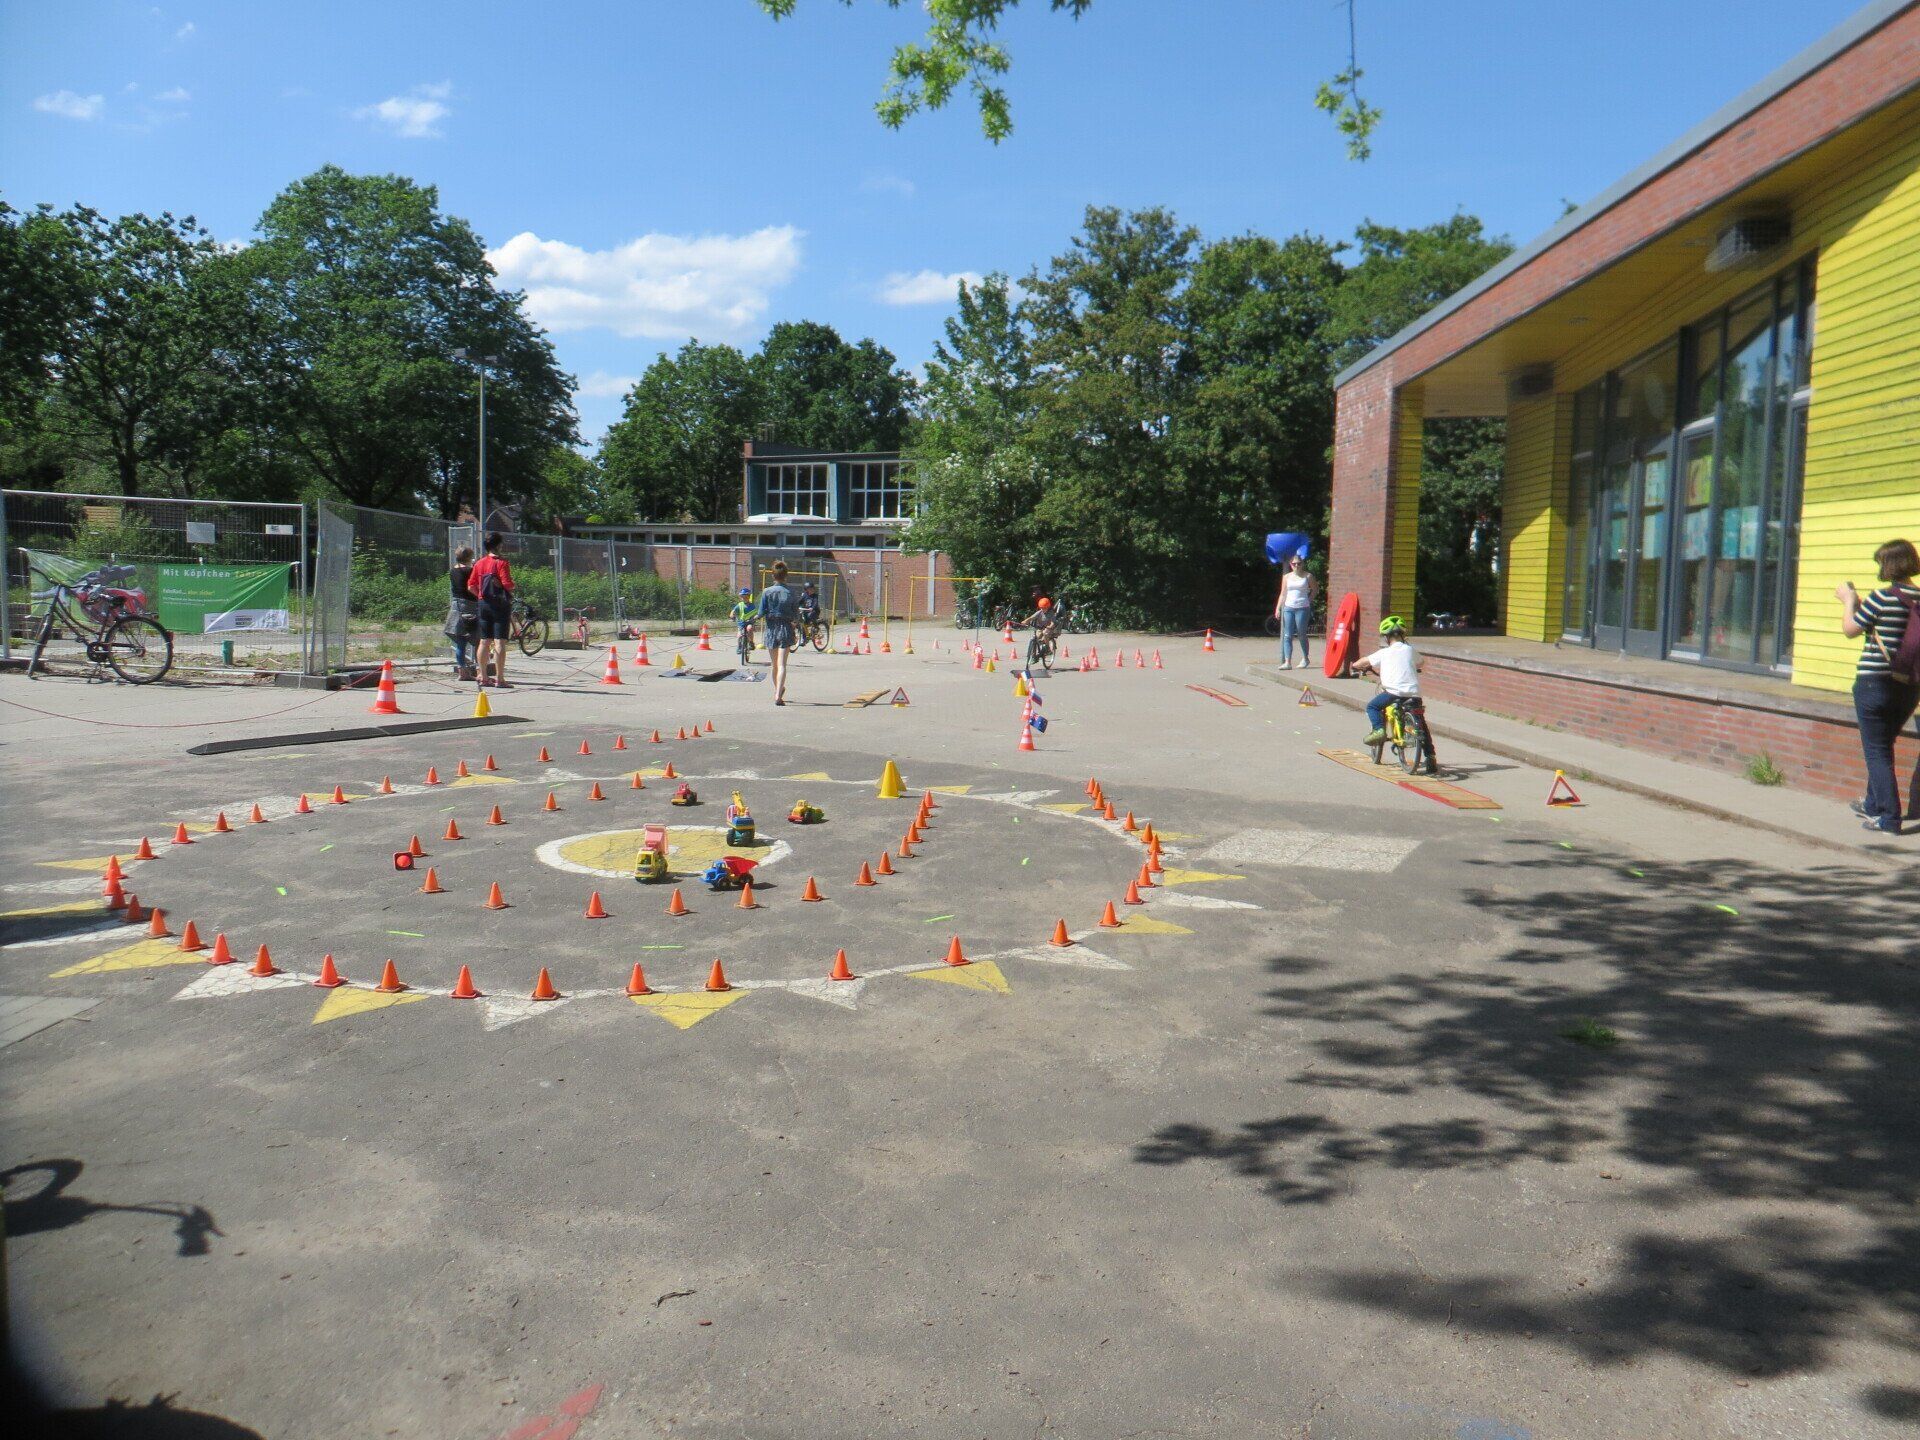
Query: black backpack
x: 492, y: 592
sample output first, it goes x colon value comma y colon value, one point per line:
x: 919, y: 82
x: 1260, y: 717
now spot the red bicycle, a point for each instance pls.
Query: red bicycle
x: 112, y: 621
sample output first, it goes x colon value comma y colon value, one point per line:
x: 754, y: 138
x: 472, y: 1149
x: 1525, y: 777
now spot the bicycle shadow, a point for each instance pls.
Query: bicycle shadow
x: 52, y: 1207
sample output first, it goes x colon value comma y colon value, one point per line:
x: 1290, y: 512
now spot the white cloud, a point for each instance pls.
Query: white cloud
x: 890, y: 185
x: 602, y: 386
x: 413, y: 116
x: 924, y: 287
x: 185, y: 32
x: 70, y: 106
x: 659, y: 287
x: 179, y: 95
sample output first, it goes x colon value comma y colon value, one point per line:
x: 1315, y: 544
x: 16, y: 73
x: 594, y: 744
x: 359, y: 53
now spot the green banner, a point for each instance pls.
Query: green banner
x: 222, y: 599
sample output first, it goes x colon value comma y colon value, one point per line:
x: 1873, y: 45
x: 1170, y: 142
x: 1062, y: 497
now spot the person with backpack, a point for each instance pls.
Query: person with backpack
x: 1886, y: 684
x: 491, y: 584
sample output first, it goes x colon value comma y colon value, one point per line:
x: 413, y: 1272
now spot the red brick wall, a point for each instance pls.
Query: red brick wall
x: 1818, y: 755
x: 1360, y: 553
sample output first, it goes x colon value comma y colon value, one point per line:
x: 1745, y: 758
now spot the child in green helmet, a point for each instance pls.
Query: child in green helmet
x: 1398, y: 665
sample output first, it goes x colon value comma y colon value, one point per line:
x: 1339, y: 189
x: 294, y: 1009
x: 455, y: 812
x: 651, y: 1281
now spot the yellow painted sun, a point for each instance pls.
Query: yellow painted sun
x: 690, y: 850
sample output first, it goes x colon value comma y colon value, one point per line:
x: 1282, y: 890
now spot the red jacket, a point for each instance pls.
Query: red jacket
x: 489, y: 565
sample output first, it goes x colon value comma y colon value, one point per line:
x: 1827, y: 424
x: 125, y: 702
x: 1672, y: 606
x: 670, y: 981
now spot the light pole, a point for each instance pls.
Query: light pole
x: 480, y: 364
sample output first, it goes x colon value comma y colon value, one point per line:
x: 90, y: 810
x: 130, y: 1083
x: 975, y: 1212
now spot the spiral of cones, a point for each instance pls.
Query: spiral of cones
x: 677, y: 904
x: 595, y: 792
x: 747, y: 902
x: 865, y: 876
x: 885, y: 867
x: 431, y: 885
x: 180, y: 836
x: 263, y: 965
x: 717, y: 978
x: 552, y: 802
x: 595, y: 910
x: 145, y: 852
x: 638, y: 783
x: 460, y: 771
x: 841, y: 970
x: 433, y: 776
x: 453, y: 831
x: 494, y: 817
x: 955, y: 956
x: 463, y: 988
x: 637, y: 982
x: 1133, y: 893
x: 1108, y: 919
x: 812, y: 892
x: 190, y: 938
x: 495, y: 900
x: 221, y: 954
x: 330, y: 977
x: 220, y: 825
x: 157, y: 925
x: 389, y: 980
x: 1060, y: 936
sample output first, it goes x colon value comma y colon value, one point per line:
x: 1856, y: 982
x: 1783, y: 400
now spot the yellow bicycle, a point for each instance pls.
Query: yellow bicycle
x: 1408, y: 736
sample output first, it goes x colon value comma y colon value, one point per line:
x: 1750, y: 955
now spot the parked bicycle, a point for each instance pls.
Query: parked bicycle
x: 1408, y: 736
x: 112, y: 620
x: 580, y: 629
x: 528, y: 629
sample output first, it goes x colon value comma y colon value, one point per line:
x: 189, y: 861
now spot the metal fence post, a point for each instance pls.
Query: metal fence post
x: 6, y: 615
x: 559, y: 583
x: 306, y: 598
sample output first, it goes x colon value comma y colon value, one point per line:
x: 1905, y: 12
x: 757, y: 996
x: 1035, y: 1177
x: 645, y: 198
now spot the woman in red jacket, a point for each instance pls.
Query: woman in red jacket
x: 491, y: 585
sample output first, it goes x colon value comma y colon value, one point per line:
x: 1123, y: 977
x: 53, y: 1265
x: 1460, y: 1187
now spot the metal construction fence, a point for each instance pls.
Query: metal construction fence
x: 227, y: 577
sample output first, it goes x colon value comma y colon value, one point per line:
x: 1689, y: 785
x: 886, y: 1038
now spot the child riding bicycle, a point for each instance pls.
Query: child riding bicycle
x: 1398, y: 665
x: 743, y: 614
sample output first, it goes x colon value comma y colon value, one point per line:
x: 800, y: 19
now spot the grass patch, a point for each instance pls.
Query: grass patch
x: 1591, y: 1033
x: 1762, y: 771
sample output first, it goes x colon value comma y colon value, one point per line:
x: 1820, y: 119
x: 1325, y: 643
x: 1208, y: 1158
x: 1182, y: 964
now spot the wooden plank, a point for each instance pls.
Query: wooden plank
x: 1444, y: 791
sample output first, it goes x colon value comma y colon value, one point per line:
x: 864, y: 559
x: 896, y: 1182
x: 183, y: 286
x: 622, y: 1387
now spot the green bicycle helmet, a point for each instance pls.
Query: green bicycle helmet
x: 1391, y: 624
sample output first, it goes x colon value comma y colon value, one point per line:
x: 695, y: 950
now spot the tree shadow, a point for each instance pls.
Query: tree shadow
x: 1768, y: 1050
x: 49, y: 1206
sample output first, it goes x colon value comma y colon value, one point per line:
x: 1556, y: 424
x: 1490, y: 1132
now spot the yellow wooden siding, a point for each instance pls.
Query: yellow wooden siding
x: 1533, y: 521
x: 1409, y: 438
x: 1862, y: 473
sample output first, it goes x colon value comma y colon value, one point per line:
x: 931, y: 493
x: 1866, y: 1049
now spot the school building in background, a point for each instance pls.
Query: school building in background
x: 1711, y: 382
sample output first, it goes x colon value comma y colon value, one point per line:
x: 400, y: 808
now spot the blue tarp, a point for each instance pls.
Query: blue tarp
x: 1283, y: 545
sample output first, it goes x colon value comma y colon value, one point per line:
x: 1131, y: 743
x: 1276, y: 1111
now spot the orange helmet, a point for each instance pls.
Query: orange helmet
x: 1045, y: 603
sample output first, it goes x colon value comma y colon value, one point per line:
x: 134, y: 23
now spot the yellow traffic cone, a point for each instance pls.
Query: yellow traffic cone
x: 891, y: 786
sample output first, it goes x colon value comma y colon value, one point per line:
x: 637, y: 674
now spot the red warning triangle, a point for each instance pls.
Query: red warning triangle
x: 1561, y: 793
x: 1307, y: 697
x: 900, y: 696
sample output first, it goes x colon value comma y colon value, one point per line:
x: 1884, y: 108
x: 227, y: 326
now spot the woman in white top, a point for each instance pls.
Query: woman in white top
x: 1294, y: 609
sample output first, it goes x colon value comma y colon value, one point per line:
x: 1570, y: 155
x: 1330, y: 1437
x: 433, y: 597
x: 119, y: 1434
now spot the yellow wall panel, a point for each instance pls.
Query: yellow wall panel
x: 1533, y: 520
x: 1409, y: 437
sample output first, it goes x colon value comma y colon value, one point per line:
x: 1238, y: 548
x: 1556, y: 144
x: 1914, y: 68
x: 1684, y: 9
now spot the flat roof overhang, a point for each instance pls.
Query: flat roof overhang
x: 1835, y: 102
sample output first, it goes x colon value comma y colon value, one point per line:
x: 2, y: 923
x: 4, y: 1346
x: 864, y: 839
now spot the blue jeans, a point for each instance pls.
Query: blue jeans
x: 1883, y: 706
x: 462, y: 653
x: 1293, y: 626
x: 1377, y: 709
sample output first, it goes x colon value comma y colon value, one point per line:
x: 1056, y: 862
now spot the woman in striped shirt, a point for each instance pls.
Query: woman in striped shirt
x: 1882, y: 700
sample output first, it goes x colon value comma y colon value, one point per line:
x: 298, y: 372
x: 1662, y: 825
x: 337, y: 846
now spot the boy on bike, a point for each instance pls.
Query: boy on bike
x: 809, y: 603
x: 1045, y: 622
x: 743, y: 614
x: 1398, y: 665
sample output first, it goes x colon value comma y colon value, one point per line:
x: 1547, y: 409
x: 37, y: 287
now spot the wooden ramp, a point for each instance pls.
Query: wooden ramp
x: 1434, y: 789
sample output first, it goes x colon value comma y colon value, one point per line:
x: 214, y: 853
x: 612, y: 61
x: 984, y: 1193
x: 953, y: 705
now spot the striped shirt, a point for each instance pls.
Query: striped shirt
x: 1882, y: 614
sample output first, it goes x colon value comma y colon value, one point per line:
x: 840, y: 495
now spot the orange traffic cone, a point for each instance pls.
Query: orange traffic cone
x: 1109, y: 920
x: 681, y: 734
x: 263, y: 965
x: 706, y: 640
x: 812, y: 892
x: 113, y: 871
x: 329, y: 976
x: 221, y: 954
x: 220, y: 825
x: 489, y: 764
x: 747, y: 902
x: 552, y: 803
x: 595, y: 910
x: 1026, y: 737
x: 339, y: 796
x: 433, y: 776
x: 668, y: 772
x: 594, y: 793
x: 694, y: 734
x: 431, y: 885
x: 145, y: 852
x: 453, y: 831
x: 865, y: 876
x: 1145, y: 878
x: 611, y: 675
x: 709, y: 727
x: 654, y: 738
x: 640, y: 655
x: 115, y: 897
x: 180, y: 836
x: 619, y: 742
x: 1130, y: 826
x: 134, y: 913
x: 585, y: 748
x: 460, y: 771
x: 638, y: 783
x: 841, y: 970
x: 1156, y: 661
x: 157, y: 925
x: 385, y: 700
x: 190, y: 938
x: 637, y: 982
x: 463, y: 986
x: 545, y: 758
x: 1133, y: 893
x: 885, y: 867
x: 717, y: 978
x: 1154, y: 867
x: 954, y: 955
x: 389, y: 980
x: 494, y: 817
x: 1060, y: 936
x: 495, y: 900
x: 1208, y: 646
x: 906, y: 847
x: 677, y: 904
x: 415, y: 848
x: 1106, y: 811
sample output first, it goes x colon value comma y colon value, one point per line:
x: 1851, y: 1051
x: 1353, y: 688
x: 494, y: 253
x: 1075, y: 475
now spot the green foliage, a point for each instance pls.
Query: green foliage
x: 1352, y: 116
x: 1762, y: 770
x: 1591, y: 1033
x: 814, y: 389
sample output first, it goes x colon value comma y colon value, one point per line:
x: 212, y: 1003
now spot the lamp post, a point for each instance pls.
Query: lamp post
x: 480, y: 364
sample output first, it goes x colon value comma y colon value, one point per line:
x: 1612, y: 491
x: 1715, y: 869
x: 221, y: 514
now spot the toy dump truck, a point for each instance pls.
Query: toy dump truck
x: 650, y: 865
x: 729, y: 872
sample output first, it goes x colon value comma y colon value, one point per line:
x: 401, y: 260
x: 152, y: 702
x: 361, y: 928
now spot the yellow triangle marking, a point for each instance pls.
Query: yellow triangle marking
x: 481, y: 780
x: 654, y: 774
x: 949, y: 789
x: 68, y: 907
x: 1065, y: 809
x: 141, y: 955
x: 91, y: 863
x: 1172, y: 876
x: 685, y: 1011
x: 319, y: 797
x: 1175, y: 835
x: 803, y: 775
x: 1147, y: 925
x: 980, y: 975
x: 346, y: 1001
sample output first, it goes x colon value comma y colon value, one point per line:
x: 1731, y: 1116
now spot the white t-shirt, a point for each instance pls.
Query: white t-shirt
x: 1395, y: 664
x: 1296, y: 592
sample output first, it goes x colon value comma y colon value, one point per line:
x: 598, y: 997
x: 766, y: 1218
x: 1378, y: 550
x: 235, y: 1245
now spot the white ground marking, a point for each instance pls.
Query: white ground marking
x: 1074, y: 954
x: 1200, y: 902
x: 72, y: 885
x: 92, y: 932
x: 844, y: 993
x: 220, y: 981
x: 1312, y: 850
x: 500, y: 1011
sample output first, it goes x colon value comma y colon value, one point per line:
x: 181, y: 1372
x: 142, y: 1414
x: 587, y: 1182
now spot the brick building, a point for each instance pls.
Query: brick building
x: 1710, y: 376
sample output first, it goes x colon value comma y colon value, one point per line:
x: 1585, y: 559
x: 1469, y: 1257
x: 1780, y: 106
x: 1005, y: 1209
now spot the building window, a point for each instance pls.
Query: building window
x: 797, y: 489
x: 1577, y: 616
x: 877, y: 490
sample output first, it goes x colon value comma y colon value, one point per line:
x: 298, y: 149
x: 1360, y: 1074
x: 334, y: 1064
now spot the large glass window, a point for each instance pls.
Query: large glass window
x: 797, y: 489
x: 877, y: 490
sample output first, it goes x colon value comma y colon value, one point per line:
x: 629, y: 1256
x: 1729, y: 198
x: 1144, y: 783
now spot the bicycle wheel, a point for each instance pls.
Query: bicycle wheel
x: 822, y: 635
x: 1414, y: 745
x: 139, y: 648
x: 533, y: 636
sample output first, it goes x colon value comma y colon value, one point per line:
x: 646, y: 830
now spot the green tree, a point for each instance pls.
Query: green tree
x: 571, y: 484
x: 816, y: 390
x: 674, y: 454
x: 41, y: 297
x: 1402, y: 274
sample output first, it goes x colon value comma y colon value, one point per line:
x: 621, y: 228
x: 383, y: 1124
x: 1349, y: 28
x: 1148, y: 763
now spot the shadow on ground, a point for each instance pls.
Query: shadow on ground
x: 1767, y: 1055
x: 38, y: 1198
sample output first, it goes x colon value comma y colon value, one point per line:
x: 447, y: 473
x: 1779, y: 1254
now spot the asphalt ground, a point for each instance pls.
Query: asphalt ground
x: 1303, y: 1149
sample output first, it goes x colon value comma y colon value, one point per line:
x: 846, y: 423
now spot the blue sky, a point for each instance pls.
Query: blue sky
x: 653, y: 169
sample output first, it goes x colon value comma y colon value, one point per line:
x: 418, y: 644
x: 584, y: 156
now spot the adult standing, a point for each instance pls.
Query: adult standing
x: 1883, y: 697
x: 778, y: 610
x: 463, y: 615
x: 491, y: 585
x: 1294, y: 609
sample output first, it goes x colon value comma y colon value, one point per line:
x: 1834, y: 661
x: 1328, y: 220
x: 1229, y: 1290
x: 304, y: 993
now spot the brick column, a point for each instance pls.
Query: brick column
x: 1366, y: 454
